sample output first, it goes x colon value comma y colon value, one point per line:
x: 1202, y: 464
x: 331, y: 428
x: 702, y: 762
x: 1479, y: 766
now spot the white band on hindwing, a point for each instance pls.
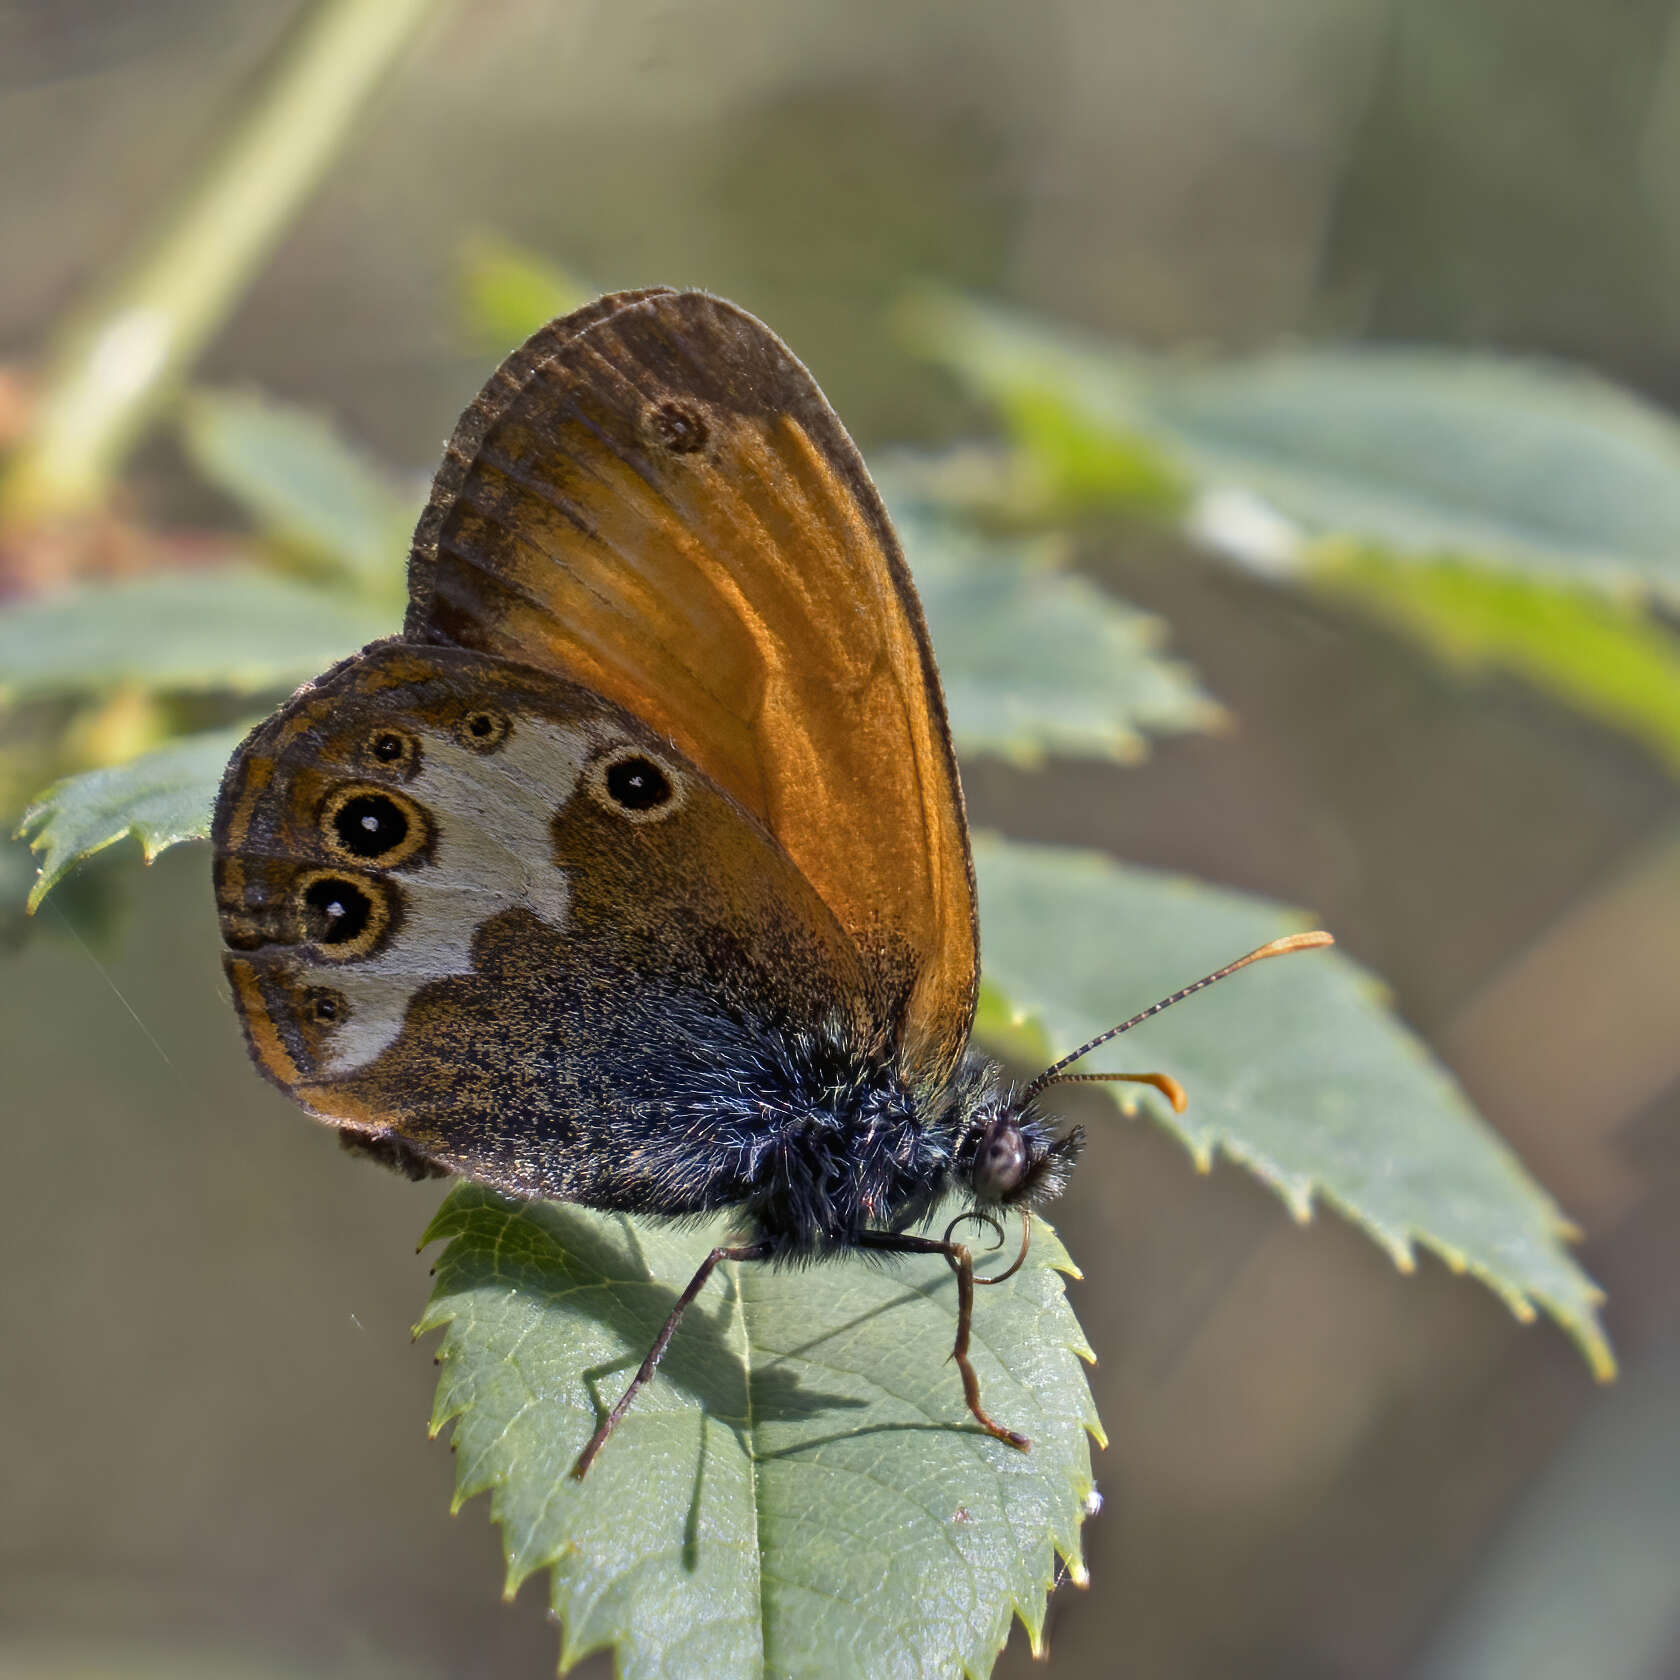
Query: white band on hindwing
x: 493, y: 851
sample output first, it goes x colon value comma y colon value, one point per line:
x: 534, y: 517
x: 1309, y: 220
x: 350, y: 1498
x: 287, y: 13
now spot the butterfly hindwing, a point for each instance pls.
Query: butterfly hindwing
x: 484, y: 919
x: 653, y: 499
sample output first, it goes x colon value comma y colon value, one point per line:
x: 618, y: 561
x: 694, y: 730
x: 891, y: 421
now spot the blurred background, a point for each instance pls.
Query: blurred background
x: 216, y: 1458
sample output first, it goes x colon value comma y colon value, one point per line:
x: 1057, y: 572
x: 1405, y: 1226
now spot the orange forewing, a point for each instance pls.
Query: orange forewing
x: 653, y: 498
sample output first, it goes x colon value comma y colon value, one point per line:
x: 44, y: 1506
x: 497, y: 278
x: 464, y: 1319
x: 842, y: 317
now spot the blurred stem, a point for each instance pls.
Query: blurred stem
x: 120, y: 356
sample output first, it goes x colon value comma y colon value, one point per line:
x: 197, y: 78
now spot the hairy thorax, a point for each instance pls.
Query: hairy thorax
x: 820, y: 1178
x: 815, y: 1141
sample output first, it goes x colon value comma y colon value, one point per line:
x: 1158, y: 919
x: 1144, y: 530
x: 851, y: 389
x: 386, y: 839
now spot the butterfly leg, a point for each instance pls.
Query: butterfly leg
x: 962, y: 1263
x: 744, y: 1251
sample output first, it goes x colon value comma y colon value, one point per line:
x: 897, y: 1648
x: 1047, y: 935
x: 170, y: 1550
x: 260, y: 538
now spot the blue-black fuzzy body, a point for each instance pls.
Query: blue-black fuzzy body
x: 810, y: 1137
x: 623, y: 1069
x: 815, y: 1139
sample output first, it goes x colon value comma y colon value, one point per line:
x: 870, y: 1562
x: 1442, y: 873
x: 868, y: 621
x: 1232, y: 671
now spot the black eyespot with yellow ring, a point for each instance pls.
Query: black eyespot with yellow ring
x: 362, y: 824
x: 678, y: 427
x: 483, y: 730
x: 327, y: 1008
x: 637, y: 785
x: 344, y: 916
x: 389, y: 751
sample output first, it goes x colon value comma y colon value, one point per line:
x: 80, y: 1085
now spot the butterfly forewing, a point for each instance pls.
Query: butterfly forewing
x: 653, y: 499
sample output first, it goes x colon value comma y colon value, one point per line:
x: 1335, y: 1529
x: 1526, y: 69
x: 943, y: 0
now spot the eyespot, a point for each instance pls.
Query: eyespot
x: 392, y: 750
x: 483, y: 731
x: 1000, y: 1162
x: 636, y: 785
x: 326, y: 1007
x: 338, y: 912
x: 677, y: 427
x: 373, y: 825
x: 344, y: 916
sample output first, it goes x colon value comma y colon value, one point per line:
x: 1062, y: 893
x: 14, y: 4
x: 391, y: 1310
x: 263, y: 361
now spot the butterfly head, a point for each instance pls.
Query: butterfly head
x: 1016, y: 1158
x: 1013, y: 1157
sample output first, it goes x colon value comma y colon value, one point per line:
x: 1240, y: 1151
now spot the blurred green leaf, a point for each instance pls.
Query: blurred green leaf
x: 235, y: 629
x: 1605, y: 657
x: 1296, y: 1070
x: 123, y: 352
x: 303, y: 483
x: 1511, y: 515
x: 89, y: 905
x: 1036, y: 660
x: 1436, y: 452
x: 17, y: 877
x: 161, y: 798
x: 507, y: 292
x: 800, y: 1490
x: 1418, y: 451
x: 1073, y: 406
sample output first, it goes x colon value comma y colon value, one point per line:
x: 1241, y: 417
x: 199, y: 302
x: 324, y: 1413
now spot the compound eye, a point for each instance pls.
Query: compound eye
x: 1001, y: 1162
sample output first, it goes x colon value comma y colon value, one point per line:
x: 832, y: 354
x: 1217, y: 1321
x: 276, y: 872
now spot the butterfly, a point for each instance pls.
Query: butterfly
x: 635, y: 871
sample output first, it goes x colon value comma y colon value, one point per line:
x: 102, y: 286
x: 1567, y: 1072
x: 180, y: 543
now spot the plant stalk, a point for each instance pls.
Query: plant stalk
x: 121, y: 355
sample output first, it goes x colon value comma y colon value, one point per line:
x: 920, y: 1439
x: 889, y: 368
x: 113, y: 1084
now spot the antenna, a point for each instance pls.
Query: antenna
x: 1275, y: 948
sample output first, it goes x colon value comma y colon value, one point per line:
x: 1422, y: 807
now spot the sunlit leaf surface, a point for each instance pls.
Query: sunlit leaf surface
x: 507, y: 292
x: 1482, y: 457
x: 1296, y: 1068
x: 160, y: 798
x: 299, y: 479
x: 1605, y: 657
x: 236, y: 629
x: 1037, y: 660
x: 800, y: 1491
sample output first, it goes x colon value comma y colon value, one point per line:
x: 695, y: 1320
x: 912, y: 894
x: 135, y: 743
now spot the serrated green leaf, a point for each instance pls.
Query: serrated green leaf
x: 507, y: 292
x: 235, y: 629
x: 17, y: 877
x: 1435, y: 452
x: 161, y: 798
x: 1036, y: 660
x: 89, y: 904
x: 1073, y: 405
x: 1429, y: 452
x: 1297, y: 1069
x: 302, y: 482
x: 800, y: 1491
x: 1607, y: 658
